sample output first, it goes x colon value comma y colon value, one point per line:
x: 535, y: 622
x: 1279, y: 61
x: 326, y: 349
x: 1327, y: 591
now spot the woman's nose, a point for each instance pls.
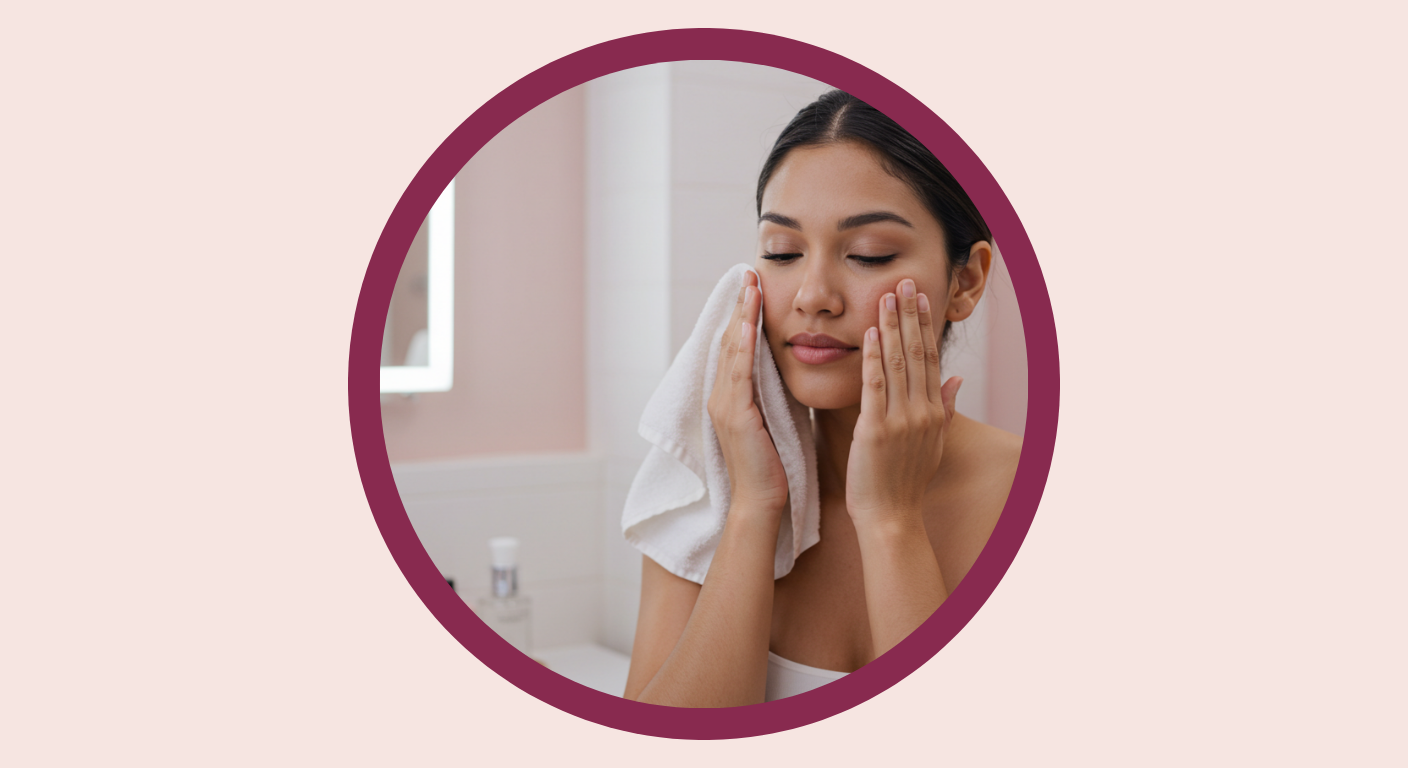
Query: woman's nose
x: 819, y: 292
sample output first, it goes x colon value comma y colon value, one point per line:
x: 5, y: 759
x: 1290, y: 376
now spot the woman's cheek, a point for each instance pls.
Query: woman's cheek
x: 775, y: 302
x: 868, y: 304
x: 772, y: 325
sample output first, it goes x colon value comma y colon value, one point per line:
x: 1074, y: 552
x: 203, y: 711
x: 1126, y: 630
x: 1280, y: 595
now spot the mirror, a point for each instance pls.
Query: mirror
x: 418, y: 344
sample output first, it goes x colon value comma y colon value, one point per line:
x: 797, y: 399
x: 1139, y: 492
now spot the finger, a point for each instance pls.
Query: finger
x: 932, y: 375
x: 950, y: 397
x: 741, y: 378
x: 741, y: 373
x: 872, y: 376
x: 892, y: 348
x: 912, y: 339
x: 728, y: 343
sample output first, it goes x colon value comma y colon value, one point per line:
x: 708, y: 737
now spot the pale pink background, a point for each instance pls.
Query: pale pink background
x: 191, y: 574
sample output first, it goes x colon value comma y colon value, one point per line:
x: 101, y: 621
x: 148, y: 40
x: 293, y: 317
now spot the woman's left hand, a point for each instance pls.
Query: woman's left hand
x: 904, y: 414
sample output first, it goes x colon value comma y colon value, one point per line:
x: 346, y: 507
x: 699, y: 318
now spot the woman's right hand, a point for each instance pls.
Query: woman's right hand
x: 755, y: 472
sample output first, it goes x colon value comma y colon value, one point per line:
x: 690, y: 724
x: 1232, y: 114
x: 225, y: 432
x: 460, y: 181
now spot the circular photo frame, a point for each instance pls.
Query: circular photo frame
x: 369, y: 442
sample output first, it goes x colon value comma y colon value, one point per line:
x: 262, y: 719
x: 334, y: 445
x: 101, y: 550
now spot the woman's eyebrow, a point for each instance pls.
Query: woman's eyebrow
x: 777, y: 218
x: 851, y: 222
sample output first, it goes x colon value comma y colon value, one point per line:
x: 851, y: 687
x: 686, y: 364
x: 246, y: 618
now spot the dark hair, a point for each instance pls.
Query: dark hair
x: 838, y: 117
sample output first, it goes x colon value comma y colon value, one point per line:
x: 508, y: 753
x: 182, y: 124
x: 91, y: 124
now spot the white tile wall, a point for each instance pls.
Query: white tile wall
x: 713, y: 226
x: 628, y: 304
x: 622, y: 604
x: 741, y: 75
x: 551, y: 503
x: 722, y: 131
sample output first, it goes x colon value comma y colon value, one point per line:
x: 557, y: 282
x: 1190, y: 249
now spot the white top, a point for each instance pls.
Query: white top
x: 788, y: 678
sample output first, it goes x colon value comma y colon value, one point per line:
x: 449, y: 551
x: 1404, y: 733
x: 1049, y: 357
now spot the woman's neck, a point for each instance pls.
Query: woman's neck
x: 835, y: 429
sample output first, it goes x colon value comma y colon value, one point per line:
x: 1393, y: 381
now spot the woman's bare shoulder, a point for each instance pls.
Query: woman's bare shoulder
x: 988, y: 447
x: 987, y: 460
x: 974, y: 483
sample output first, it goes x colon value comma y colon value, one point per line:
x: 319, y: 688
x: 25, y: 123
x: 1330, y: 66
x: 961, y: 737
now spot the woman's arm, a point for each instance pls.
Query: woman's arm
x: 895, y: 452
x: 708, y: 646
x: 903, y: 583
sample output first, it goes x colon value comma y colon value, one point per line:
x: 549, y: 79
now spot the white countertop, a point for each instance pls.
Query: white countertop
x: 591, y: 665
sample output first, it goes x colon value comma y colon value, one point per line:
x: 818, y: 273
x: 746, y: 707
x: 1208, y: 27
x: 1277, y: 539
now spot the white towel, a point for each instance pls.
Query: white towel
x: 677, y: 504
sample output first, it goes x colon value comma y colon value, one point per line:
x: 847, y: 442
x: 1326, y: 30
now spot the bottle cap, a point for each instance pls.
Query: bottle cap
x: 504, y: 551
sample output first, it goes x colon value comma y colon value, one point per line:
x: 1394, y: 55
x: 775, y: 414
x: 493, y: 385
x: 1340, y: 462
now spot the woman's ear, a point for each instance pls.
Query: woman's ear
x: 969, y: 282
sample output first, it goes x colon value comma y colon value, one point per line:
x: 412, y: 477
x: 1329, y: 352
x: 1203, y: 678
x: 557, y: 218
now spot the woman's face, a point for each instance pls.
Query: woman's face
x: 837, y: 234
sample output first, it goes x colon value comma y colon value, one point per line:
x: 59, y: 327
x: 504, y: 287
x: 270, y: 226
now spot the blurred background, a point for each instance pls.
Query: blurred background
x: 587, y: 237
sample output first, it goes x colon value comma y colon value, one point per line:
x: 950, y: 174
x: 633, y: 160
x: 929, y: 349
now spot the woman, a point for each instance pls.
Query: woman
x: 868, y: 251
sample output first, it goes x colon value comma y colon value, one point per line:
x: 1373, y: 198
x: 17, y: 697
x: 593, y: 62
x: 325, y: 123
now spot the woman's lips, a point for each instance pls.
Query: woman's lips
x: 815, y: 349
x: 818, y: 355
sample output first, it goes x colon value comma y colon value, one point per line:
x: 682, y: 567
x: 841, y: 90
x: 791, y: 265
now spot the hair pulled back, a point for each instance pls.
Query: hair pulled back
x: 839, y: 117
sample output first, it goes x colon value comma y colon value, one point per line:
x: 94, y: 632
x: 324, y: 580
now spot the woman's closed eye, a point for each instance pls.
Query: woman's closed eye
x: 869, y: 261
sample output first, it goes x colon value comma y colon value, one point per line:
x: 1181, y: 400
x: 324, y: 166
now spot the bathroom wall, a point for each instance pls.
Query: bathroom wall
x: 550, y: 502
x: 519, y: 301
x: 628, y: 304
x: 1007, y: 354
x: 504, y: 451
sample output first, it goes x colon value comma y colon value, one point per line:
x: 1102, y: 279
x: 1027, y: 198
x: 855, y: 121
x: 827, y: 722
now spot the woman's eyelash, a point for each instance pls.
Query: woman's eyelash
x: 867, y: 260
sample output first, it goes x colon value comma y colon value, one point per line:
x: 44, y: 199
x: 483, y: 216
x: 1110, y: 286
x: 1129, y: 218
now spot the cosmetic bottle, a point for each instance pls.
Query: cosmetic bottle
x: 504, y: 610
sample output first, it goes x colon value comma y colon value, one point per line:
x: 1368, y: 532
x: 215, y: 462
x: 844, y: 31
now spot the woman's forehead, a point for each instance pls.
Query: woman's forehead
x: 823, y: 184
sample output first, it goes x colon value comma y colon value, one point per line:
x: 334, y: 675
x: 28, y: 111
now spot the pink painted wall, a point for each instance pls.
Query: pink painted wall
x: 519, y: 303
x: 1007, y: 354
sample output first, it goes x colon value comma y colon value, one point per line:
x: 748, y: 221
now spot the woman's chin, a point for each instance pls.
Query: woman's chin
x: 824, y: 398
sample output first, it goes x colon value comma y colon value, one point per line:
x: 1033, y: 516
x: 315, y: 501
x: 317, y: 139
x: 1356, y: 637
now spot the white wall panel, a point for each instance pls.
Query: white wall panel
x: 550, y: 502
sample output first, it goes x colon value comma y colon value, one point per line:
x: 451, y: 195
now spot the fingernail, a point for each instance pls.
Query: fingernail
x: 890, y: 301
x: 743, y: 293
x: 907, y: 287
x: 873, y: 334
x: 923, y: 303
